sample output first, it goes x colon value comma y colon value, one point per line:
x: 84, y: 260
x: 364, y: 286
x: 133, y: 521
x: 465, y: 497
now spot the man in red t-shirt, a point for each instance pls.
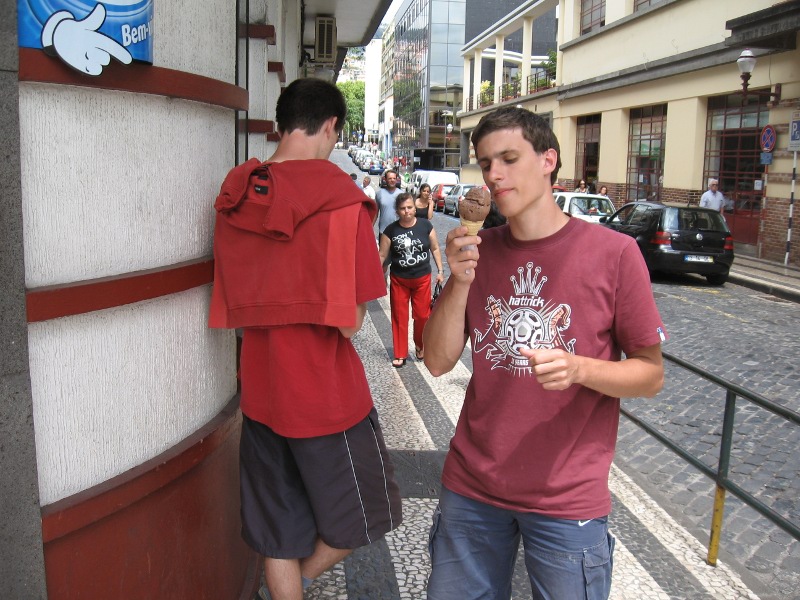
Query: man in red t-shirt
x: 316, y: 479
x: 549, y: 304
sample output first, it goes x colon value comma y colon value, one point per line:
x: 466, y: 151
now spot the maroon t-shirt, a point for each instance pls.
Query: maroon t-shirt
x: 307, y: 380
x: 585, y: 290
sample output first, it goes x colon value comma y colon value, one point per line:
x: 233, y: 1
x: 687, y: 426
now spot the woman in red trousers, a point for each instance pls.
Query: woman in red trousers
x: 410, y: 242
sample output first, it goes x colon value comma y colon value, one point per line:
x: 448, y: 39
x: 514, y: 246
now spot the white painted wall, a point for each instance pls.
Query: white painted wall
x: 372, y: 83
x: 700, y: 23
x: 130, y: 180
x: 196, y: 38
x: 116, y: 182
x: 111, y: 389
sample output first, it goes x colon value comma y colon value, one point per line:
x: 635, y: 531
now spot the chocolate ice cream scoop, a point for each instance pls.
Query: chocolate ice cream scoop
x: 475, y: 205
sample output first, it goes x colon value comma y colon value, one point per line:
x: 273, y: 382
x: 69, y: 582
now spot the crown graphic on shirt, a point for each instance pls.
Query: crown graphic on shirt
x: 527, y: 285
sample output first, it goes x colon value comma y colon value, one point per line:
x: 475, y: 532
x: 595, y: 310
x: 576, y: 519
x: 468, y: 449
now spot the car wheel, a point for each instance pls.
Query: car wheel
x: 717, y: 278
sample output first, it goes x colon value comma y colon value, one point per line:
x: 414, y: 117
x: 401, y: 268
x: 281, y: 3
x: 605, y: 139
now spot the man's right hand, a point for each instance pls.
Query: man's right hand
x: 462, y: 254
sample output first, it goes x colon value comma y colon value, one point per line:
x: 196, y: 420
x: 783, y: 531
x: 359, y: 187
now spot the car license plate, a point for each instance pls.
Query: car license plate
x: 693, y: 258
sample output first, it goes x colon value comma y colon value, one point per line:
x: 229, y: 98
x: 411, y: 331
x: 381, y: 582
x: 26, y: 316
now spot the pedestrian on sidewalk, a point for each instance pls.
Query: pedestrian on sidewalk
x: 712, y: 198
x: 316, y: 479
x: 424, y: 202
x: 549, y: 304
x: 408, y: 244
x: 385, y: 198
x: 366, y: 185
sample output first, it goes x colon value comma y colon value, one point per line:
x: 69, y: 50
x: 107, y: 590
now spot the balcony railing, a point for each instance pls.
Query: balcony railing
x: 539, y: 82
x: 512, y: 90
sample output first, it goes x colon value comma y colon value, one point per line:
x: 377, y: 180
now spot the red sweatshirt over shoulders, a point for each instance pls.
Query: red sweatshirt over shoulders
x: 291, y: 289
x: 284, y: 245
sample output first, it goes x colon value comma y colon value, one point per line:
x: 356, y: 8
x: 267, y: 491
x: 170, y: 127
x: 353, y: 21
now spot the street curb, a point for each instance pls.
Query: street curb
x: 766, y: 287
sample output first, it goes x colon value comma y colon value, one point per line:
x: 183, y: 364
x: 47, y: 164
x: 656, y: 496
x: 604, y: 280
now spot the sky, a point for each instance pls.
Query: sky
x: 393, y: 8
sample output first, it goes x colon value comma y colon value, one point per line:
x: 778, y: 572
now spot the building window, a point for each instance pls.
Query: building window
x: 587, y: 150
x: 593, y: 15
x: 733, y: 156
x: 646, y: 136
x: 642, y: 4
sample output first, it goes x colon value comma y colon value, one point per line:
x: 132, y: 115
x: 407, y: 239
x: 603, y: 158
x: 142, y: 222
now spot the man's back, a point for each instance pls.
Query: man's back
x: 309, y: 302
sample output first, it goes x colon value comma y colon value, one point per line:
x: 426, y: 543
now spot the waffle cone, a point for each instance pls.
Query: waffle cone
x: 472, y: 226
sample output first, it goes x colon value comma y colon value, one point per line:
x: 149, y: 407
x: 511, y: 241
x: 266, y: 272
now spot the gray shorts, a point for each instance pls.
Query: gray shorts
x: 338, y: 487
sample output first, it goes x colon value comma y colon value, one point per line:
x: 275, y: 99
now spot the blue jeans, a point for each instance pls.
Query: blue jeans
x: 473, y: 548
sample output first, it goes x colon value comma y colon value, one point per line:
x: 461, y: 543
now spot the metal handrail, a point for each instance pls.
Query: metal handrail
x: 720, y: 474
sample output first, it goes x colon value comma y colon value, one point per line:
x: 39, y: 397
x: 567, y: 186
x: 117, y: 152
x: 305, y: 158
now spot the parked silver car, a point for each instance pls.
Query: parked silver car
x: 454, y: 197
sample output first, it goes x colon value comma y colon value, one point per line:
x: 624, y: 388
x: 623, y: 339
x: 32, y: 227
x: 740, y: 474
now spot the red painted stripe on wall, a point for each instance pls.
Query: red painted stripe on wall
x: 168, y: 528
x: 277, y: 67
x: 35, y: 65
x: 260, y: 126
x: 52, y: 302
x: 262, y: 31
x: 84, y: 508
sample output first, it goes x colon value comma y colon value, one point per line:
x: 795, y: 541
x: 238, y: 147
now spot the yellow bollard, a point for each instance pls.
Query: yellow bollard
x: 716, y: 526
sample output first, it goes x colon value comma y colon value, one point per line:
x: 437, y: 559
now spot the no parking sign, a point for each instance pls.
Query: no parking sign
x: 768, y: 138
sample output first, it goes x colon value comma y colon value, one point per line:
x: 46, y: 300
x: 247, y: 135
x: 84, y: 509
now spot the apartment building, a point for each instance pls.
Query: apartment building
x: 647, y: 99
x: 428, y: 81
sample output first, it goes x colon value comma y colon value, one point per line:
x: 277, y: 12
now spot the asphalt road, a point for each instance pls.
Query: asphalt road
x: 747, y: 338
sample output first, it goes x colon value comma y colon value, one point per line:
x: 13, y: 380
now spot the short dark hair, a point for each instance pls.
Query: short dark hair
x: 534, y: 129
x: 400, y: 198
x: 306, y: 104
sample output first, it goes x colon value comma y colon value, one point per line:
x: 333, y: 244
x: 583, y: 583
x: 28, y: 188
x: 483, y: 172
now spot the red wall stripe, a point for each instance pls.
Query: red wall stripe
x: 260, y: 126
x: 52, y: 302
x: 84, y: 508
x: 262, y: 31
x: 124, y: 537
x: 35, y: 65
x: 277, y: 67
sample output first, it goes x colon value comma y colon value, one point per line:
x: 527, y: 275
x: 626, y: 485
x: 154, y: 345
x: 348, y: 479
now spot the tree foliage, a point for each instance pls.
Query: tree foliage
x: 353, y: 92
x: 549, y: 65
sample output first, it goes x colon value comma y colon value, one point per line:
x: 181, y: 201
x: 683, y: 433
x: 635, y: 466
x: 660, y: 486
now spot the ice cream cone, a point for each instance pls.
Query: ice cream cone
x: 472, y: 226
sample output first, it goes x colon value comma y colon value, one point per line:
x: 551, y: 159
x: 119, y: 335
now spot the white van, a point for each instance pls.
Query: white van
x: 415, y: 182
x: 434, y: 177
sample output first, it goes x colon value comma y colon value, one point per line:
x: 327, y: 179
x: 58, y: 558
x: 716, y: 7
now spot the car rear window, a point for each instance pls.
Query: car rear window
x: 641, y: 216
x: 694, y: 220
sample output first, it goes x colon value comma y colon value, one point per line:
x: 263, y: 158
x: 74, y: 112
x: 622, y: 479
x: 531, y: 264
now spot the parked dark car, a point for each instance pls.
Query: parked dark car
x: 438, y: 192
x: 678, y: 239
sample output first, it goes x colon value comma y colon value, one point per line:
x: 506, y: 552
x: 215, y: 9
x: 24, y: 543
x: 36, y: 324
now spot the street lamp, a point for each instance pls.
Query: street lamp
x: 746, y: 63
